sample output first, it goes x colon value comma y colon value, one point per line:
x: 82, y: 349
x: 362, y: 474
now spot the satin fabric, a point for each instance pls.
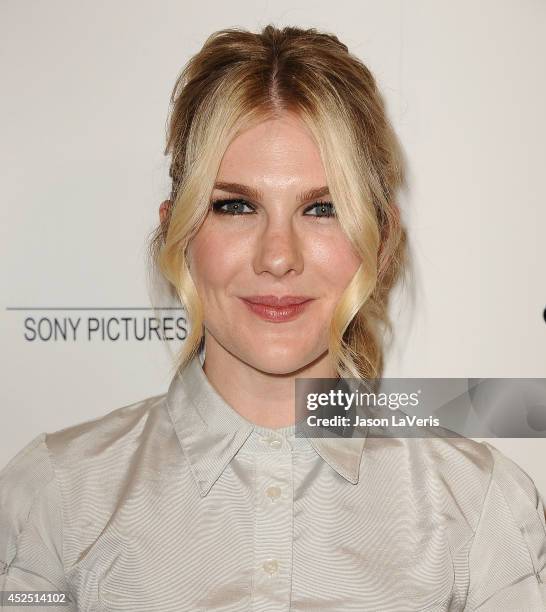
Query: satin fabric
x: 177, y: 503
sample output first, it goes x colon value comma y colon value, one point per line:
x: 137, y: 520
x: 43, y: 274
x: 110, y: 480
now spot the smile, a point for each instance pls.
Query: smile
x: 277, y: 314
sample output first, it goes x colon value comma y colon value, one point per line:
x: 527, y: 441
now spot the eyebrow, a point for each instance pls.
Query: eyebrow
x: 256, y: 194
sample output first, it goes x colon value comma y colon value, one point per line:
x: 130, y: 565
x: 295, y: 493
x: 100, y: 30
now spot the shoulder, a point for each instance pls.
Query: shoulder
x: 26, y: 476
x: 36, y: 466
x: 75, y: 463
x: 474, y: 471
x: 507, y: 558
x: 461, y: 468
x: 480, y: 472
x: 513, y: 492
x: 513, y: 481
x: 104, y: 435
x: 483, y: 465
x: 27, y: 489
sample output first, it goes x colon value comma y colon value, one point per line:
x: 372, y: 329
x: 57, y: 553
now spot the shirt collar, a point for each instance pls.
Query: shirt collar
x: 211, y: 432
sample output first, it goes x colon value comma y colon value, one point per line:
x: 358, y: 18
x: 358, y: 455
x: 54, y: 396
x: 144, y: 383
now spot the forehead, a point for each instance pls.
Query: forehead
x: 282, y: 147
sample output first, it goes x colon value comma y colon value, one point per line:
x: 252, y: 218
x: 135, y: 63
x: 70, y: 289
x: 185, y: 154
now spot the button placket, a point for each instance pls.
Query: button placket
x: 273, y: 528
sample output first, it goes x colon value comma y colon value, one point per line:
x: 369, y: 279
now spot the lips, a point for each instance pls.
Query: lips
x: 272, y: 300
x: 277, y: 310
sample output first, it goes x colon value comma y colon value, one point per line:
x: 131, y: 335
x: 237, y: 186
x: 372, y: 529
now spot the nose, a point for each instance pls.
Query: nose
x: 279, y: 250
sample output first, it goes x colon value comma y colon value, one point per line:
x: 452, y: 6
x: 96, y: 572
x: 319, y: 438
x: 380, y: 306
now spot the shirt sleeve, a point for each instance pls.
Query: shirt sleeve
x: 507, y: 560
x: 31, y: 525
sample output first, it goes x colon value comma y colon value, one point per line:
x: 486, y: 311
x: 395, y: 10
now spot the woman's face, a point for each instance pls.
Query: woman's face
x: 276, y: 242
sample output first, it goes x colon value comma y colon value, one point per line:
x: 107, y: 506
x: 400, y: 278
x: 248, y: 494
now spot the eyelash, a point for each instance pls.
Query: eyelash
x: 216, y: 205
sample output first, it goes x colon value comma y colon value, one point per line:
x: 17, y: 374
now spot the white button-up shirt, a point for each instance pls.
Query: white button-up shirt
x: 177, y: 503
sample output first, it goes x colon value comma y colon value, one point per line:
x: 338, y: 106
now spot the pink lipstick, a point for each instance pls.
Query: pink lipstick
x: 277, y: 309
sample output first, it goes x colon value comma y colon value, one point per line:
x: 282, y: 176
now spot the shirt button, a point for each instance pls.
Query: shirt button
x: 273, y: 492
x: 270, y: 566
x: 274, y: 442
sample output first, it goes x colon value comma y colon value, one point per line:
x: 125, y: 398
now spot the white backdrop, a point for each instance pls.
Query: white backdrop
x: 84, y: 99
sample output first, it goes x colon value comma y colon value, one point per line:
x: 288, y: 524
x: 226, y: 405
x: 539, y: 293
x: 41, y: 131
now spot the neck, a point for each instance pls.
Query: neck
x: 263, y: 398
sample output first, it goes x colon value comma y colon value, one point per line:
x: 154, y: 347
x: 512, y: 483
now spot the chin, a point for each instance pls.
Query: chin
x: 282, y: 361
x: 277, y: 368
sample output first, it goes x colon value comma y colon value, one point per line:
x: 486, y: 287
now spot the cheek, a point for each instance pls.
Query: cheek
x: 213, y: 261
x: 335, y: 261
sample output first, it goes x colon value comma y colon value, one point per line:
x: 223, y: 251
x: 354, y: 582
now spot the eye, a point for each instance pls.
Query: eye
x: 326, y: 209
x: 232, y: 206
x: 235, y: 207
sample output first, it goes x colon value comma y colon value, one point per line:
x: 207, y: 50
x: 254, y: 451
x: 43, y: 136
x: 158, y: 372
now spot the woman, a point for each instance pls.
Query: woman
x: 282, y: 239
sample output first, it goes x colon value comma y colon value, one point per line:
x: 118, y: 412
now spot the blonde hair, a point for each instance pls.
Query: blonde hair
x: 240, y: 78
